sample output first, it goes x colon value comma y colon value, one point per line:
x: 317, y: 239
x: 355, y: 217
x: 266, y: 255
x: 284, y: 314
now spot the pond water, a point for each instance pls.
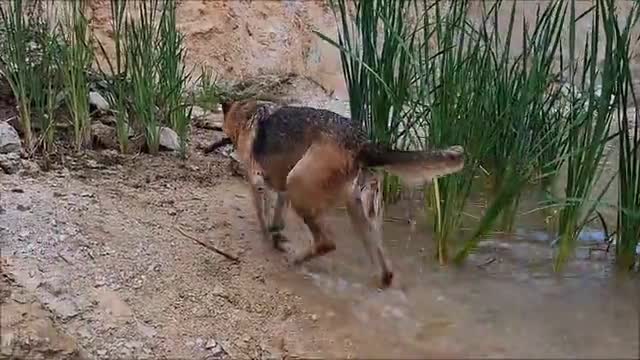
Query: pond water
x: 505, y: 301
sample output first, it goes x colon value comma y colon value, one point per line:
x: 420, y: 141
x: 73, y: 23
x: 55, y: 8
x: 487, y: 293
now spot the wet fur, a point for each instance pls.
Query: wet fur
x: 315, y: 159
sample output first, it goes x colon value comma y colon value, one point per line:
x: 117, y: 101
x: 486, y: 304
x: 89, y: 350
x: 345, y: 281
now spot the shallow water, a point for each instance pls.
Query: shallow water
x: 506, y: 301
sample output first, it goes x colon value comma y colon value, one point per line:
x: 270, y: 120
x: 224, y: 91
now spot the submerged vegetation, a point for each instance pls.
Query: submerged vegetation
x: 440, y: 77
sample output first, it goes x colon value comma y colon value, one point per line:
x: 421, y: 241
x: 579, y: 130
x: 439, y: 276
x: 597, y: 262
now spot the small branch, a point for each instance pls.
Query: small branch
x: 218, y: 144
x: 488, y: 262
x: 64, y: 258
x: 208, y: 246
x: 206, y: 125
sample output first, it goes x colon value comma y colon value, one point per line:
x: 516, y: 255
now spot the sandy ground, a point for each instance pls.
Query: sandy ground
x: 95, y: 264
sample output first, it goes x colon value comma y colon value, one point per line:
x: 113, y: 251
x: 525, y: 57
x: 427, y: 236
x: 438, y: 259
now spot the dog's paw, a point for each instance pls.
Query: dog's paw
x: 291, y: 259
x: 280, y: 242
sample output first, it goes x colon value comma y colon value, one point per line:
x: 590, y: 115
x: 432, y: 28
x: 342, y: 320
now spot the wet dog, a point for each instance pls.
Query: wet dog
x: 316, y: 159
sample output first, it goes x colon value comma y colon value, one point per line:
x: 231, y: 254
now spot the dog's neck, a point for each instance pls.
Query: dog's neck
x: 245, y: 120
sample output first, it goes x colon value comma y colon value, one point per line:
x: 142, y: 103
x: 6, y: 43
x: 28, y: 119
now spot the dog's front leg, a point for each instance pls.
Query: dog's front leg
x: 260, y: 198
x: 277, y: 223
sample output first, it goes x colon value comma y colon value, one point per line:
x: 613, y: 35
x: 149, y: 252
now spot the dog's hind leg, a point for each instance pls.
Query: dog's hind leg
x: 364, y: 206
x: 277, y: 223
x: 260, y: 197
x: 316, y: 183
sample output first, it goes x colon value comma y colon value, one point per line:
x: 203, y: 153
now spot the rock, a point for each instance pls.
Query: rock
x: 9, y: 139
x: 29, y: 167
x: 10, y: 163
x: 104, y: 136
x: 210, y: 344
x: 169, y: 139
x: 64, y: 308
x: 218, y: 351
x: 98, y: 101
x: 16, y: 124
x: 22, y: 207
x: 197, y: 112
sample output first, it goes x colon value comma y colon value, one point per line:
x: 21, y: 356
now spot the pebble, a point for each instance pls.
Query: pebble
x: 147, y: 331
x: 211, y: 344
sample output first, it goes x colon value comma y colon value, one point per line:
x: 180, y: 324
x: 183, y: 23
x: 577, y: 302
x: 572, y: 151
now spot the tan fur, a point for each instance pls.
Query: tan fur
x: 418, y: 174
x: 322, y: 175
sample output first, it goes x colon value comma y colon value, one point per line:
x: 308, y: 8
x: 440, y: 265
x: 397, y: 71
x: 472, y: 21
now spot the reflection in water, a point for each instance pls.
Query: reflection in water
x: 505, y: 301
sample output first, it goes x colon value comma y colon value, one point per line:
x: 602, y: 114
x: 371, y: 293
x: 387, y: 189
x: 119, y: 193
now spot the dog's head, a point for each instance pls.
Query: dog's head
x: 236, y: 114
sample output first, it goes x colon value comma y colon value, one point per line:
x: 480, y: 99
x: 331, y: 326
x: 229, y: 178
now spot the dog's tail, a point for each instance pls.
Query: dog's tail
x: 414, y: 167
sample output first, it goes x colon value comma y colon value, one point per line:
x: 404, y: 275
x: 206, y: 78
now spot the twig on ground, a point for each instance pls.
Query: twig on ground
x: 218, y: 144
x: 488, y: 262
x: 209, y: 246
x: 205, y: 125
x: 64, y: 258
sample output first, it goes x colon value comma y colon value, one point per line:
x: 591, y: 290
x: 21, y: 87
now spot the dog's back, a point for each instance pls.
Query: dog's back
x: 283, y: 137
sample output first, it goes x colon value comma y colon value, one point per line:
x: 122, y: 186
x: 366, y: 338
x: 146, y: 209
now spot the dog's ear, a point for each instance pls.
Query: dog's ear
x: 249, y: 107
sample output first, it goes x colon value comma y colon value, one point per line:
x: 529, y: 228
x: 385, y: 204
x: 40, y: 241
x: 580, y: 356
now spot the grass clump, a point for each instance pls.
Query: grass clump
x: 628, y: 215
x: 77, y: 57
x: 14, y: 68
x: 117, y: 81
x: 209, y: 92
x: 147, y: 78
x: 442, y: 78
x: 172, y: 74
x: 376, y: 44
x: 143, y: 63
x: 29, y: 49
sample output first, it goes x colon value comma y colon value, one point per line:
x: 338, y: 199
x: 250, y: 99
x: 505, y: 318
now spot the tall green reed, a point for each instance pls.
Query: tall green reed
x: 77, y: 57
x: 495, y: 104
x: 464, y: 84
x: 119, y: 76
x: 29, y: 54
x: 450, y: 70
x: 589, y: 131
x: 376, y: 42
x: 13, y: 65
x: 628, y: 219
x: 48, y: 83
x: 209, y: 90
x: 172, y: 74
x: 142, y: 60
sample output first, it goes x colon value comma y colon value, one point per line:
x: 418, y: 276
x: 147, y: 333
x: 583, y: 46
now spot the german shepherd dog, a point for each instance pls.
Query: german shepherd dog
x: 316, y: 159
